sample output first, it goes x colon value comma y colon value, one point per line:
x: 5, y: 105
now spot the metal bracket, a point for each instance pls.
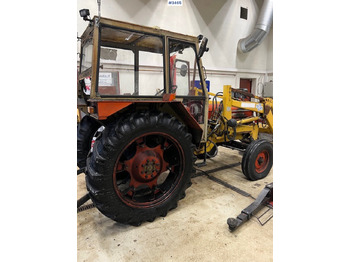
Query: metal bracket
x: 204, y: 162
x: 83, y: 200
x: 97, y: 21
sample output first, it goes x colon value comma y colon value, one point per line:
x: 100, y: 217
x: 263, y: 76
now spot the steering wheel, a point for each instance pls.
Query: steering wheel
x: 173, y: 90
x: 159, y: 92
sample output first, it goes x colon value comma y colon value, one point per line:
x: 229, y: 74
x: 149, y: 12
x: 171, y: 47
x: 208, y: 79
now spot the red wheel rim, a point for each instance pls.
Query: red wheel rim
x: 262, y: 161
x: 148, y: 170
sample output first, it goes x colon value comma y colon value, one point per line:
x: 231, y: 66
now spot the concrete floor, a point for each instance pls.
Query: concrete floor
x: 195, y: 231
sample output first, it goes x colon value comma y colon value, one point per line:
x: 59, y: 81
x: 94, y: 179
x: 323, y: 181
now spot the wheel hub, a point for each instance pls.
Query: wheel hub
x: 261, y: 161
x: 146, y: 166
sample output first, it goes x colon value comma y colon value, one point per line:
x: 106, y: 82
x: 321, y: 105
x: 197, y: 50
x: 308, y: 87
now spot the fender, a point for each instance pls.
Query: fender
x: 105, y: 109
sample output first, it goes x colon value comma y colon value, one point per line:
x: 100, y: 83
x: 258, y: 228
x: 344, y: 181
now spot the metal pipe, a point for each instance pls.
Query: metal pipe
x: 99, y: 9
x: 247, y: 120
x: 261, y: 28
x: 83, y: 200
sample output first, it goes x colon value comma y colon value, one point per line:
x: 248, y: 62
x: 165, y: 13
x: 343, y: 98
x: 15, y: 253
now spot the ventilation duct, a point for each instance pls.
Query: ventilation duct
x: 260, y: 31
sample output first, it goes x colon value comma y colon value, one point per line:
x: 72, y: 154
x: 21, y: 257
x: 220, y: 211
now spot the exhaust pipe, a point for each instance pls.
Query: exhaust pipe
x: 261, y: 29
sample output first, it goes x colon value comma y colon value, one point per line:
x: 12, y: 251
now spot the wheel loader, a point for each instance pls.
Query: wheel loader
x: 143, y: 122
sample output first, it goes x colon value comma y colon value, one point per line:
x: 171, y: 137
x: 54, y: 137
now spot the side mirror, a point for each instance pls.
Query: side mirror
x: 183, y: 70
x: 203, y: 48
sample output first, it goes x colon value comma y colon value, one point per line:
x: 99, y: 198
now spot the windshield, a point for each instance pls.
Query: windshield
x: 130, y: 64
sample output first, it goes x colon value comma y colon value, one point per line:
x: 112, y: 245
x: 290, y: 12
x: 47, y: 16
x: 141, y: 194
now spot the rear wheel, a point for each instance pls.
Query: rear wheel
x: 140, y: 167
x: 257, y: 159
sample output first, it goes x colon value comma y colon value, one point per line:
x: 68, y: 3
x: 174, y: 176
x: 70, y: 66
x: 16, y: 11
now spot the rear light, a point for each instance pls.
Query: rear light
x: 96, y: 135
x: 92, y: 143
x: 91, y: 110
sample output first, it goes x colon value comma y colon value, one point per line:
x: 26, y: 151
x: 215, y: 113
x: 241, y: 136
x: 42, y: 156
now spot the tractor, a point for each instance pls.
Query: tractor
x: 143, y: 119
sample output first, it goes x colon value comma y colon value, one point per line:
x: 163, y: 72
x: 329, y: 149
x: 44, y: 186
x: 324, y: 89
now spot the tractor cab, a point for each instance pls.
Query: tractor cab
x: 125, y: 63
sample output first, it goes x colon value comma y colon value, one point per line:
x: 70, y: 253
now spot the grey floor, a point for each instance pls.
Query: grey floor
x: 195, y: 231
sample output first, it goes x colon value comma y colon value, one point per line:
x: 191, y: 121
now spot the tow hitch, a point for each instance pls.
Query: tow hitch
x: 265, y: 198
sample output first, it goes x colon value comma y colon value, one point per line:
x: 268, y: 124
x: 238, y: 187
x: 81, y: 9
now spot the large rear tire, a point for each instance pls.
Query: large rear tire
x: 140, y: 167
x: 257, y: 159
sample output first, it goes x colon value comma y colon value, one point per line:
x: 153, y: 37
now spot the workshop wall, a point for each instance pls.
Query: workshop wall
x: 218, y: 20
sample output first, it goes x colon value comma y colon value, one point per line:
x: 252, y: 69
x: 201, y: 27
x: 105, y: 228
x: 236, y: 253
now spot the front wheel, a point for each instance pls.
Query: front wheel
x: 257, y: 159
x: 140, y: 167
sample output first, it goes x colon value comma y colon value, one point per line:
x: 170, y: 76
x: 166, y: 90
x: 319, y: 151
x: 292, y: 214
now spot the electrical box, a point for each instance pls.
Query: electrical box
x: 268, y: 90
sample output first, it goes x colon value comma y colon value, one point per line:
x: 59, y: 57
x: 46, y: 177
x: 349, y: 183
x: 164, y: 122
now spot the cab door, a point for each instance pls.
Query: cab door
x: 183, y: 72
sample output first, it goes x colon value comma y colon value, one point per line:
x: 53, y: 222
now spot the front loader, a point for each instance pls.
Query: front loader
x: 143, y: 122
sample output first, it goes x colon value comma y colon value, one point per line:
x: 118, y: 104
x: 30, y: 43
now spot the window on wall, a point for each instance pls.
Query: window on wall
x: 244, y: 13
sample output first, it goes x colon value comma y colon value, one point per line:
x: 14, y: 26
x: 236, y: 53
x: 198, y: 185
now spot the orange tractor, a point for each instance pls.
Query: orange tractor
x: 148, y: 122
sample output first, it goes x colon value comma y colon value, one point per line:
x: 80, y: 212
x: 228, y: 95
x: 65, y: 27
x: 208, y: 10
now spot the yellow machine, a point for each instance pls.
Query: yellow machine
x: 227, y: 131
x: 237, y: 130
